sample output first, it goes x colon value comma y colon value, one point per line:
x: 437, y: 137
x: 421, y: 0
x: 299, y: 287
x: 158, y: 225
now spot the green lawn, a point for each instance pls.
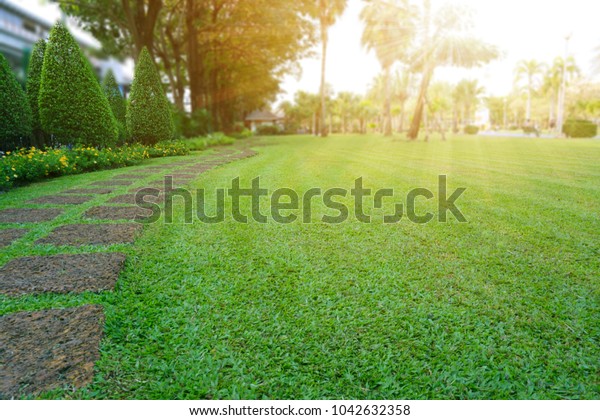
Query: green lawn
x: 504, y: 306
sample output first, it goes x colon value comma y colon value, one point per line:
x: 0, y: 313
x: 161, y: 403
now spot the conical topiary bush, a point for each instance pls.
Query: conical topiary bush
x: 15, y: 115
x: 149, y: 118
x: 116, y: 102
x: 34, y: 76
x: 73, y: 109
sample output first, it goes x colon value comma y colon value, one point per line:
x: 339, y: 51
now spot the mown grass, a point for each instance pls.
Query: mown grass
x: 504, y: 306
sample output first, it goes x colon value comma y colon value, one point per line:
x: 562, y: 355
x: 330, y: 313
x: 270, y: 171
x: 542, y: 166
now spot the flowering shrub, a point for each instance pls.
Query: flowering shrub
x: 26, y: 165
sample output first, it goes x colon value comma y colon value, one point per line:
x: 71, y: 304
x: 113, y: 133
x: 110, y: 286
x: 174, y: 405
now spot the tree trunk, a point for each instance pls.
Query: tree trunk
x: 387, y: 124
x: 193, y: 61
x: 324, y: 39
x: 415, y: 125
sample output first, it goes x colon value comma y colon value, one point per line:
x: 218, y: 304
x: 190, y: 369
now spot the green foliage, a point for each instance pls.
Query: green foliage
x: 116, y: 102
x: 15, y: 114
x: 34, y: 77
x: 197, y: 124
x: 243, y: 134
x: 149, y: 117
x: 26, y: 165
x: 267, y: 130
x: 471, y: 129
x: 72, y: 107
x: 580, y: 128
x: 202, y: 143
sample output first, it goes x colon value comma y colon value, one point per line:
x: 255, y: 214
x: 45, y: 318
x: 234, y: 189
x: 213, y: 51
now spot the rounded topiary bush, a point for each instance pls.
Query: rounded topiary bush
x: 149, y: 118
x: 73, y: 109
x: 580, y: 128
x: 34, y: 76
x: 471, y: 129
x: 116, y: 102
x: 15, y: 115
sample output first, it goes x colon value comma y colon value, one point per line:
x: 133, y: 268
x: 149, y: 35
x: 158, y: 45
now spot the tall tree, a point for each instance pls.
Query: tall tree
x: 529, y: 71
x: 553, y: 79
x: 116, y: 102
x: 444, y: 41
x: 122, y: 26
x: 328, y: 11
x: 466, y: 95
x: 389, y: 28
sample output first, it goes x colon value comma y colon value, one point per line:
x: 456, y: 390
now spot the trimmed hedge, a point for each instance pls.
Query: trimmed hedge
x: 149, y: 118
x: 26, y: 165
x: 72, y: 107
x: 116, y: 102
x: 15, y: 115
x: 267, y: 130
x: 202, y: 143
x: 34, y: 78
x: 580, y: 128
x: 471, y: 129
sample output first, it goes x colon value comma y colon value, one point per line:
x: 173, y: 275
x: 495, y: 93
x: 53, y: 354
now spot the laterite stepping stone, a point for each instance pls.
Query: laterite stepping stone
x: 62, y: 199
x: 117, y: 213
x: 61, y: 273
x: 112, y: 183
x: 82, y: 234
x: 44, y: 350
x: 8, y: 236
x: 183, y: 176
x: 88, y: 191
x: 28, y: 215
x: 130, y: 198
x: 129, y: 176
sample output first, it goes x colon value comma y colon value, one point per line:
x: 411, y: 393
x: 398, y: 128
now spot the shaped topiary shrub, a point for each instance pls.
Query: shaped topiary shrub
x: 34, y: 76
x: 15, y: 115
x: 149, y: 118
x: 73, y: 109
x: 580, y: 128
x: 116, y: 102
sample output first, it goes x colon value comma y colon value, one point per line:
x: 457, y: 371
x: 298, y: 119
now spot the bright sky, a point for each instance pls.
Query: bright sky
x: 522, y: 29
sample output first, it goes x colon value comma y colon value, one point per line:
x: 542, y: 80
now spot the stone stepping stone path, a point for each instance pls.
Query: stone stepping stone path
x: 129, y: 176
x: 86, y: 234
x: 8, y: 236
x: 117, y: 213
x: 112, y: 183
x: 26, y: 215
x: 130, y: 198
x: 61, y: 273
x: 44, y: 350
x: 61, y: 199
x: 89, y: 191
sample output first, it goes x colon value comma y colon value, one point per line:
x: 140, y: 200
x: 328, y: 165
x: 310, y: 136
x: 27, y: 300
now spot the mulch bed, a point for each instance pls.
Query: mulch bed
x: 28, y: 215
x: 89, y: 191
x: 112, y: 183
x: 62, y: 199
x: 130, y: 198
x: 80, y: 234
x: 129, y: 176
x: 61, y: 273
x: 117, y: 213
x: 44, y: 350
x: 8, y: 236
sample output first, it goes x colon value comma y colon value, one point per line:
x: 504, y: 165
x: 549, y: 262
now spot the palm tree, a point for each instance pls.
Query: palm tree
x: 466, y: 95
x: 346, y: 106
x: 444, y: 42
x: 530, y: 71
x: 328, y: 10
x: 553, y: 79
x: 389, y: 28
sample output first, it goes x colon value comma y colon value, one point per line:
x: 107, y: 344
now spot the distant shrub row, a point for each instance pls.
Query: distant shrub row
x: 580, y: 128
x: 65, y: 105
x: 32, y: 164
x: 202, y: 143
